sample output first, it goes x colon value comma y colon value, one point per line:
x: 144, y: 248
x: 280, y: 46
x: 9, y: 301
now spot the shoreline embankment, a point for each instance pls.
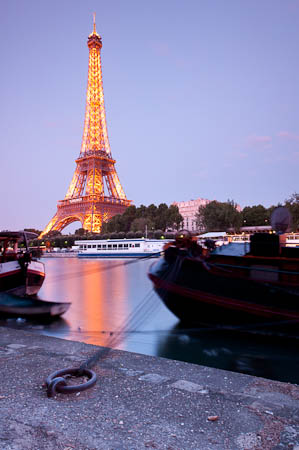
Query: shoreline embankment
x: 139, y: 402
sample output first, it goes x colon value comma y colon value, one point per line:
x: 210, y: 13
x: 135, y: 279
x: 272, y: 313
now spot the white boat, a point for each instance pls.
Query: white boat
x: 120, y: 248
x: 238, y: 238
x: 292, y: 240
x: 218, y: 237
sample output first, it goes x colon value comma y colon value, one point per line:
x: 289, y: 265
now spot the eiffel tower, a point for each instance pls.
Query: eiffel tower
x: 95, y: 193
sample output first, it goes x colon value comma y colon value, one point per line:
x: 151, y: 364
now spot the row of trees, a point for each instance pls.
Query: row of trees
x: 218, y: 216
x: 135, y: 222
x: 144, y: 218
x: 163, y: 220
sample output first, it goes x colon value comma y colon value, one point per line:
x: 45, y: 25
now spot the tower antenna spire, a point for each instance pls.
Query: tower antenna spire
x: 94, y: 22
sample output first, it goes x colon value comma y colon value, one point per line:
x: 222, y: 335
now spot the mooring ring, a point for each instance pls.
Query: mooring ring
x: 56, y: 383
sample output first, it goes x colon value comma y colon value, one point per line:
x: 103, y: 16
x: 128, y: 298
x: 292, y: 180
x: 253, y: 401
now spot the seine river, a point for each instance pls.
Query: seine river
x: 114, y: 305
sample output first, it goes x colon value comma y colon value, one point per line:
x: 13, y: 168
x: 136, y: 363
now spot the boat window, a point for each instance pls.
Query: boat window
x: 120, y: 246
x: 114, y: 245
x: 99, y: 246
x: 84, y: 246
x: 130, y: 245
x: 81, y: 246
x: 89, y: 246
x: 126, y: 245
x: 137, y: 245
x: 104, y: 246
x: 94, y: 246
x: 109, y: 246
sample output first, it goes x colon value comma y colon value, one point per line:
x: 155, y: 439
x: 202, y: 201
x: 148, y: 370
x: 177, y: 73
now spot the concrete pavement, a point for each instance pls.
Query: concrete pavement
x: 139, y: 402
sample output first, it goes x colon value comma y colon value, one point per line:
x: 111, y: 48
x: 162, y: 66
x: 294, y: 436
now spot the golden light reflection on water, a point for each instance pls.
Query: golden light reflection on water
x: 104, y: 302
x: 99, y: 296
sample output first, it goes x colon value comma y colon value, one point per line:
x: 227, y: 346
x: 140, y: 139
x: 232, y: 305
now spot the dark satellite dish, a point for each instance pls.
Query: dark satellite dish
x: 280, y: 219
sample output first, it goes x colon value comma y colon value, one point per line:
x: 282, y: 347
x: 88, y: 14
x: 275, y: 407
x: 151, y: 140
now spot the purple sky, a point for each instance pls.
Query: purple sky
x: 201, y: 100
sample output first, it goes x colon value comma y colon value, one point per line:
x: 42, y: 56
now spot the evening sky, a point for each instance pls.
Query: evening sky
x: 201, y: 100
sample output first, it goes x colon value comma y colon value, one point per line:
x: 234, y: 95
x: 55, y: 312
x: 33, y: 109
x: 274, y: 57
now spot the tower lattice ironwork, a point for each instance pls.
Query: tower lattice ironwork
x: 95, y: 193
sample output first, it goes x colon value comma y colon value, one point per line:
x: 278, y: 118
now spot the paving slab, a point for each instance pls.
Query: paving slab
x: 139, y: 402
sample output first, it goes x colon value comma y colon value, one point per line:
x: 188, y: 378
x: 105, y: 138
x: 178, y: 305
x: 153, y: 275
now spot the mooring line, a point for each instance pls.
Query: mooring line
x: 56, y: 382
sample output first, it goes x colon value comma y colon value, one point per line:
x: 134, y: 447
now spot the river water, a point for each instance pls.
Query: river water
x: 114, y: 305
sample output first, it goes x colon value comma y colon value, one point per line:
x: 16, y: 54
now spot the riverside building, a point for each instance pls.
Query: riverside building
x: 188, y: 211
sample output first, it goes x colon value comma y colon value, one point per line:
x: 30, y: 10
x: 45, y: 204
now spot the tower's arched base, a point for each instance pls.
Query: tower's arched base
x: 90, y: 211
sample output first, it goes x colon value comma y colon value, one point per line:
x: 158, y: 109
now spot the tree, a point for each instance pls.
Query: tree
x: 175, y: 219
x: 137, y: 219
x: 141, y: 224
x: 255, y: 216
x: 115, y: 224
x: 127, y: 218
x: 151, y: 212
x: 81, y: 232
x: 52, y: 234
x: 292, y: 204
x: 33, y: 230
x: 218, y: 216
x: 141, y: 211
x: 158, y: 234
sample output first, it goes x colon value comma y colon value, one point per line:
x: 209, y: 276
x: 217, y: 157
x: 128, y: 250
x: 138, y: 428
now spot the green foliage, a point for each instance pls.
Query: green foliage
x: 158, y: 234
x: 255, y: 216
x: 81, y: 232
x: 138, y: 234
x: 217, y: 216
x: 144, y: 218
x: 292, y: 204
x: 258, y: 215
x: 141, y: 224
x: 33, y: 230
x: 52, y: 234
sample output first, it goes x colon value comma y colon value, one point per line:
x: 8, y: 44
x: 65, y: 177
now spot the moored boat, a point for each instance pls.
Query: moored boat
x: 29, y: 307
x: 258, y: 286
x: 120, y: 248
x: 292, y: 239
x: 20, y: 273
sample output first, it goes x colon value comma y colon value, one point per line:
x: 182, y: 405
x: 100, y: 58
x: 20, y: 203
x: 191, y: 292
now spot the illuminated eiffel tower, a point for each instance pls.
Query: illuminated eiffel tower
x: 86, y: 199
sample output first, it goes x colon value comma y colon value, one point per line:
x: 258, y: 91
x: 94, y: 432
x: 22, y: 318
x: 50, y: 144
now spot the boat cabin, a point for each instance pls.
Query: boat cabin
x: 119, y: 248
x: 9, y: 246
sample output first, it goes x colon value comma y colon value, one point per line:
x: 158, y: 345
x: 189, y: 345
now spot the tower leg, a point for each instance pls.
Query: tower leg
x: 49, y: 227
